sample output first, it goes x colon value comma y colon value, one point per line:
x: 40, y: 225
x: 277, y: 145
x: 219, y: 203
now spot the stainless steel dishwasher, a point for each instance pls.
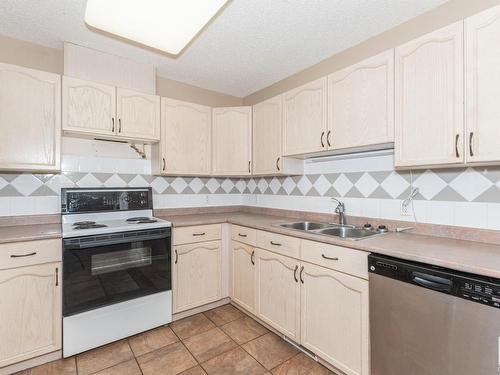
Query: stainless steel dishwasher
x: 426, y: 320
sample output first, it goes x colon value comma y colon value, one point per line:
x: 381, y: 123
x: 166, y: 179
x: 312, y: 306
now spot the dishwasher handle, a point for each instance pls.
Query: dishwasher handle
x: 439, y: 284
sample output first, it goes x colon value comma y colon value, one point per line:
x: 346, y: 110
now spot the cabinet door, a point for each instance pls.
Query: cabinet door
x: 278, y: 292
x: 138, y: 115
x: 361, y: 103
x: 196, y: 275
x: 334, y: 318
x: 232, y: 141
x: 267, y: 137
x: 186, y: 138
x: 429, y: 99
x: 244, y: 271
x: 483, y: 86
x: 30, y: 119
x: 88, y: 107
x: 30, y: 311
x: 304, y: 118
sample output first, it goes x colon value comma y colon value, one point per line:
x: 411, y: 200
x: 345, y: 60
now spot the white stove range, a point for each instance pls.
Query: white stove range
x: 116, y: 266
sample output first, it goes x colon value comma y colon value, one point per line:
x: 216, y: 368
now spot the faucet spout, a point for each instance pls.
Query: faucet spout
x: 340, y: 210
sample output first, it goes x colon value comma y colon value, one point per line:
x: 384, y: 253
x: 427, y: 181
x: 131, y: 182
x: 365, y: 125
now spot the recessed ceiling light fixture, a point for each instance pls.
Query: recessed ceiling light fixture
x: 167, y: 25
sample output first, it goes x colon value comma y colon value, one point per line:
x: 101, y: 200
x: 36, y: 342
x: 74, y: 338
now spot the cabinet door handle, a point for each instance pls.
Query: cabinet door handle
x: 176, y: 257
x: 295, y: 274
x: 242, y: 235
x: 278, y: 163
x: 57, y: 276
x: 199, y: 234
x: 322, y: 140
x: 251, y: 257
x: 457, y: 154
x: 112, y: 124
x: 163, y: 163
x: 119, y: 125
x: 274, y: 243
x: 329, y: 258
x: 328, y: 138
x: 300, y: 276
x: 471, y: 135
x: 249, y: 166
x: 23, y: 255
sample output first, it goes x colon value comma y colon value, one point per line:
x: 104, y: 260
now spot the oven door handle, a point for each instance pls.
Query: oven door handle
x: 111, y: 239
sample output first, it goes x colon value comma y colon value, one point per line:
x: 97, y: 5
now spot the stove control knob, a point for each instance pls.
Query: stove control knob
x: 382, y: 228
x: 367, y: 226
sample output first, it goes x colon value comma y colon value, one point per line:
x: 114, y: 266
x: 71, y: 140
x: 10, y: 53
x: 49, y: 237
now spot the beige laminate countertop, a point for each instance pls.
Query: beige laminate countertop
x: 19, y: 233
x: 466, y: 256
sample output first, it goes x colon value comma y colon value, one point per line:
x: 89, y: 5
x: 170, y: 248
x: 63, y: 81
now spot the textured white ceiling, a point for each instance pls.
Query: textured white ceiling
x: 250, y: 45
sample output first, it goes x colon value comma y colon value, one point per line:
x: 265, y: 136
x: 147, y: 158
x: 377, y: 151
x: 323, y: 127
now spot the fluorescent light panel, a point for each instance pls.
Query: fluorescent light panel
x: 167, y: 25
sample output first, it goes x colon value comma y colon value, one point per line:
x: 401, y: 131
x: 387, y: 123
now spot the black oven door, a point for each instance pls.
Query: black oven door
x: 105, y: 269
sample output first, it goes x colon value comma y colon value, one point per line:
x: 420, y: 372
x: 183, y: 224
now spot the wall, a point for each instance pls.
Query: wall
x: 449, y: 12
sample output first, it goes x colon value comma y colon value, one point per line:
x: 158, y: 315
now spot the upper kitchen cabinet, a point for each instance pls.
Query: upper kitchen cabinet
x: 267, y: 127
x: 482, y: 72
x: 186, y: 133
x: 232, y: 141
x: 361, y: 104
x: 138, y: 115
x: 89, y: 107
x: 429, y: 99
x: 305, y: 118
x: 93, y: 109
x: 30, y: 119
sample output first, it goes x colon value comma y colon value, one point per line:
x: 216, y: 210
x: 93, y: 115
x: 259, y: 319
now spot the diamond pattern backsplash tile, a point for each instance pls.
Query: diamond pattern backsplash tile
x: 454, y: 185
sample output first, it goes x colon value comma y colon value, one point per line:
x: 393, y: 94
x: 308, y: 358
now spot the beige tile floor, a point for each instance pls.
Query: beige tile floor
x: 220, y: 341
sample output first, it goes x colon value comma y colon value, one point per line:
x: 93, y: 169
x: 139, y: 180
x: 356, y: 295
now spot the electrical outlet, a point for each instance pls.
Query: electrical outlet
x: 405, y: 209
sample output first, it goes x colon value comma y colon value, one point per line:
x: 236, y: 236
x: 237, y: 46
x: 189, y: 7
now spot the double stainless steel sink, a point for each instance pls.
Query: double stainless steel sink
x: 349, y: 232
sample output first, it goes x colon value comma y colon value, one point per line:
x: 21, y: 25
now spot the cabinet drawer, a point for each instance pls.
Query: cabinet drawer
x: 20, y: 254
x: 243, y: 234
x: 286, y: 245
x: 197, y: 233
x: 350, y: 261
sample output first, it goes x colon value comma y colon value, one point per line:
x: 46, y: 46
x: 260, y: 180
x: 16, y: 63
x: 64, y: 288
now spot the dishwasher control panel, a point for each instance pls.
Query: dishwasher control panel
x: 478, y: 291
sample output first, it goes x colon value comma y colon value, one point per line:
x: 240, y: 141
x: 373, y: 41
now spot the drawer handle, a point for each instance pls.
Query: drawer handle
x: 251, y: 257
x: 23, y: 255
x: 199, y: 234
x: 295, y: 274
x: 242, y: 235
x: 176, y: 257
x: 300, y: 276
x: 329, y: 258
x: 275, y: 243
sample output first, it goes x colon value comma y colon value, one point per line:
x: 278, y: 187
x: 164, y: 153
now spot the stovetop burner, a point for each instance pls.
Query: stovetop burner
x: 139, y: 218
x: 143, y: 221
x: 78, y: 223
x: 89, y: 226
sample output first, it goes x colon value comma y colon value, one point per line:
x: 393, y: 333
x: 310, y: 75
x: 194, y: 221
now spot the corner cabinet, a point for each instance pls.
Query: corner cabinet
x: 429, y: 120
x: 30, y: 119
x: 267, y: 140
x: 92, y: 109
x: 305, y: 118
x: 482, y: 57
x: 186, y: 133
x: 232, y: 141
x: 337, y: 332
x: 361, y: 104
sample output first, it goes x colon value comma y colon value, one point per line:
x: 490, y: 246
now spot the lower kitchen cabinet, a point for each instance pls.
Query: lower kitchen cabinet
x: 196, y: 275
x: 30, y: 312
x: 278, y: 292
x: 334, y: 318
x: 243, y: 275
